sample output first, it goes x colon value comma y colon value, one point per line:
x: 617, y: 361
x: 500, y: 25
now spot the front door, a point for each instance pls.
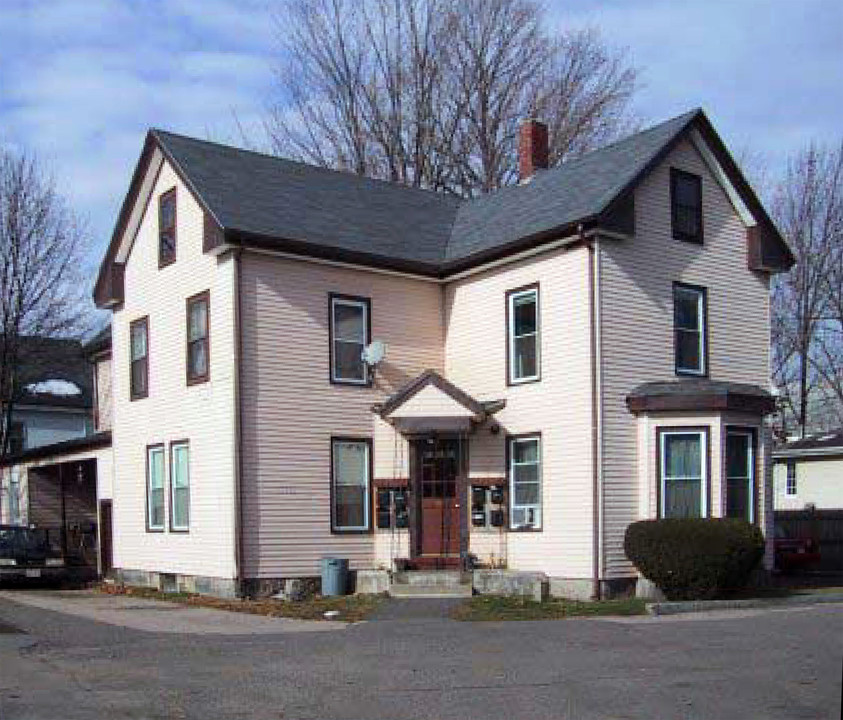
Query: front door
x: 438, y: 468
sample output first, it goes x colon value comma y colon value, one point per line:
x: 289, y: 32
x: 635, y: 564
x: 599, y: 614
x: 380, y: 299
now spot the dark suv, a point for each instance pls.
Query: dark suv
x: 27, y: 553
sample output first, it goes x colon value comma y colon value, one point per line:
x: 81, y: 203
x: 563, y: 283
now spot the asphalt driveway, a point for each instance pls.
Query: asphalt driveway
x: 750, y: 664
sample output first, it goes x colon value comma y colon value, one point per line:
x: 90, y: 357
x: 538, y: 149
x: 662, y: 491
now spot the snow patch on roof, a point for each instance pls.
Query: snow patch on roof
x: 63, y: 388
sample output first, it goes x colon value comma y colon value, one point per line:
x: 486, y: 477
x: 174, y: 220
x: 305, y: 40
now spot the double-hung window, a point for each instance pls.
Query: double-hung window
x: 689, y: 327
x: 350, y: 478
x: 180, y: 486
x: 523, y: 339
x: 350, y: 331
x: 740, y: 475
x: 155, y: 480
x: 686, y: 206
x: 167, y: 228
x: 198, y: 343
x: 790, y: 488
x: 525, y: 484
x: 139, y: 358
x: 683, y: 460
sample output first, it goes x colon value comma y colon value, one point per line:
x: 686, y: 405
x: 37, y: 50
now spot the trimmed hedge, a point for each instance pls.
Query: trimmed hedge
x: 694, y: 559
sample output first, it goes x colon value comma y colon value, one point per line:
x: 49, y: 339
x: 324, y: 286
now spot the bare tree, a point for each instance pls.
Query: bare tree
x: 828, y: 358
x: 430, y: 93
x: 807, y: 352
x: 42, y: 291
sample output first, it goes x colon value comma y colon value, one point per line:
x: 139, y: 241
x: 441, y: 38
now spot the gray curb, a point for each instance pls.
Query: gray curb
x: 677, y: 608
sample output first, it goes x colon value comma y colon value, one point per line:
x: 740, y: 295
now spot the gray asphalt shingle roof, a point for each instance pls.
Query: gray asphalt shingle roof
x: 271, y: 197
x: 831, y: 440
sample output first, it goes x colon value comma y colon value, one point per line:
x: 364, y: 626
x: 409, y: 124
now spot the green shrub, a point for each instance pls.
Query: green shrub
x: 694, y: 559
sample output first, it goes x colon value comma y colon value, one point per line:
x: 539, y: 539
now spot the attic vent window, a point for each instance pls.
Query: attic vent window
x: 167, y: 228
x: 686, y: 206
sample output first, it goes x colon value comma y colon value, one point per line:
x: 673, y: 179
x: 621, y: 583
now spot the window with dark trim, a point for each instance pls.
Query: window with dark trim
x: 690, y: 315
x: 156, y: 470
x: 740, y: 474
x: 167, y: 228
x: 523, y: 335
x: 198, y: 338
x: 350, y: 333
x: 790, y: 487
x: 180, y: 486
x: 351, y: 473
x: 686, y: 206
x: 17, y: 437
x: 139, y: 358
x: 525, y: 482
x: 683, y: 473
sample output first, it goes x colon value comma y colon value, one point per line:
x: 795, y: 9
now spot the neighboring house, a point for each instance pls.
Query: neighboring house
x: 54, y: 399
x: 56, y: 485
x: 808, y: 472
x: 308, y: 363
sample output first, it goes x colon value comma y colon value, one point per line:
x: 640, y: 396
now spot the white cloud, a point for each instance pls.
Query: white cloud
x: 82, y: 80
x: 81, y: 84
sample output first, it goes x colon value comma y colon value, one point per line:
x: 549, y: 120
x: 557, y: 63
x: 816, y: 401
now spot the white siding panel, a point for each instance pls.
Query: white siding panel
x: 291, y: 410
x: 819, y: 481
x: 558, y: 406
x: 204, y: 414
x: 637, y: 322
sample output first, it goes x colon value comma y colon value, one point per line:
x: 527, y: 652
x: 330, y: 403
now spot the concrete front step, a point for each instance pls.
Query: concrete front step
x: 399, y: 590
x: 432, y: 578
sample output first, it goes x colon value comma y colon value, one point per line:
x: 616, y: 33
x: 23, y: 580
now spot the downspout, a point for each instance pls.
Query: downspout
x: 596, y: 413
x: 238, y: 428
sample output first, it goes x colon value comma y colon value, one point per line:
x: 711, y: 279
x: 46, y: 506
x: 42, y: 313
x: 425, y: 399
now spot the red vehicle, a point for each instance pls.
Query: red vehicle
x: 794, y: 553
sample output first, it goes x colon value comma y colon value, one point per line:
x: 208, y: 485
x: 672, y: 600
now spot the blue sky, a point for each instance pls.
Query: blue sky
x: 82, y: 80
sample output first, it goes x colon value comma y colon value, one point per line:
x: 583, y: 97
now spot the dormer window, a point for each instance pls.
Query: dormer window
x: 167, y: 228
x: 686, y: 206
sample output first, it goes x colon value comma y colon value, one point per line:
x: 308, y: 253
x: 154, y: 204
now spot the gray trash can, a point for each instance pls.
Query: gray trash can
x: 334, y: 576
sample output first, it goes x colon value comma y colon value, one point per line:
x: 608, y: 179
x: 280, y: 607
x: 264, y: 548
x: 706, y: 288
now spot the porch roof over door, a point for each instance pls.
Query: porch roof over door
x: 430, y: 403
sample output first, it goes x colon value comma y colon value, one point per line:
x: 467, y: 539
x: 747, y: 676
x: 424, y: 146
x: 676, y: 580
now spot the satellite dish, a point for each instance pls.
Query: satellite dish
x: 374, y: 352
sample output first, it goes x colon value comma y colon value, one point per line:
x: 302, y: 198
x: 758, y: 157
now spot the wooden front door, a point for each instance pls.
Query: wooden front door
x: 438, y: 468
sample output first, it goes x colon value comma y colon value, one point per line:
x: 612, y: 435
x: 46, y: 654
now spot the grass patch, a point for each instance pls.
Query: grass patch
x: 351, y: 608
x: 491, y: 607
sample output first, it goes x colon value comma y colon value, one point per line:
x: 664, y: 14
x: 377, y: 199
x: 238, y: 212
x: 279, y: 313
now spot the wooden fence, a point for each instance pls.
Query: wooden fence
x: 823, y: 526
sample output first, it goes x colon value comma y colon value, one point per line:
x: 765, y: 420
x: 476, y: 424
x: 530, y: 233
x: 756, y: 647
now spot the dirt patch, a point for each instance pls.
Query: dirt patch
x: 350, y: 608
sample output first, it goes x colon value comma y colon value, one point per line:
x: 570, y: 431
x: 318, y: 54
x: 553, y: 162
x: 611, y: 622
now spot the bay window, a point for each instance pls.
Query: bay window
x: 740, y: 474
x: 683, y: 465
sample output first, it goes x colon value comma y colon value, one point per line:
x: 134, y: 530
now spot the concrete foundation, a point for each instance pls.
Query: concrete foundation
x: 582, y: 589
x: 372, y: 582
x: 511, y: 583
x: 173, y: 582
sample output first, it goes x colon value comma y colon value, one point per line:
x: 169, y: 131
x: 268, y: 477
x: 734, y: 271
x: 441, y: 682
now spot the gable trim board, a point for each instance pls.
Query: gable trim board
x: 767, y: 250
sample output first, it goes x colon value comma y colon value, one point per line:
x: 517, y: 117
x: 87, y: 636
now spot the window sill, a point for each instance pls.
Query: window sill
x: 692, y: 239
x: 526, y: 381
x: 691, y: 373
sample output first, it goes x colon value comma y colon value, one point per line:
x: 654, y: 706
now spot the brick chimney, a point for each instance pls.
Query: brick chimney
x: 532, y: 148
